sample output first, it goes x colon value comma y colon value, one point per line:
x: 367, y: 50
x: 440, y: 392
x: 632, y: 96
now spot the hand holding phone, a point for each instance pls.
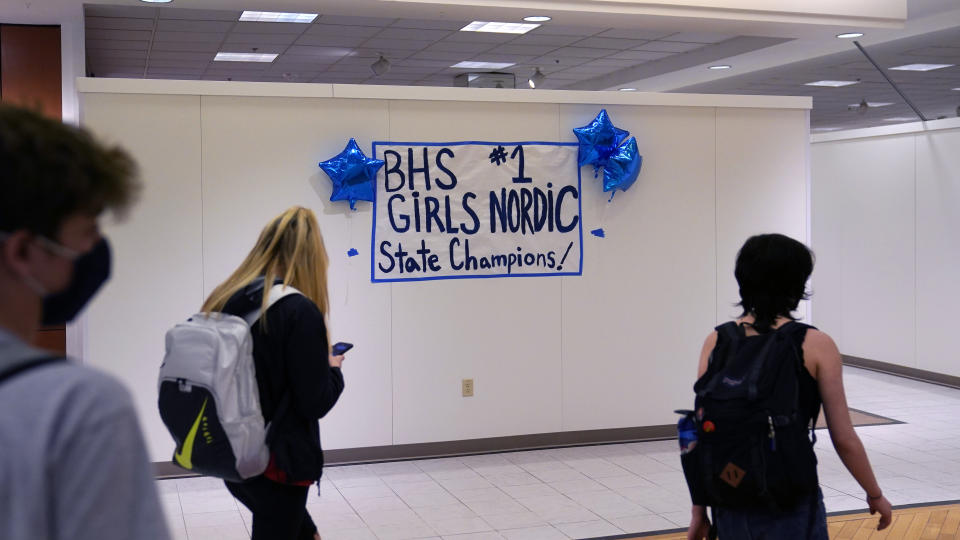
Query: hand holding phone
x: 340, y: 348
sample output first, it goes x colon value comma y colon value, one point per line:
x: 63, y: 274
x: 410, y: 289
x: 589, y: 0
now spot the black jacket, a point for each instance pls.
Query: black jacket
x: 291, y: 359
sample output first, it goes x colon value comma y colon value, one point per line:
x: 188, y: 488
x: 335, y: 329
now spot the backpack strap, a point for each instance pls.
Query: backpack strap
x: 276, y: 293
x: 17, y: 357
x: 728, y: 335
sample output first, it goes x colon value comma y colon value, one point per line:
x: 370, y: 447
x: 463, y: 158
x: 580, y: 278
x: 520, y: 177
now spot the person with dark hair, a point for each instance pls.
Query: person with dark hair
x: 74, y: 461
x: 767, y: 346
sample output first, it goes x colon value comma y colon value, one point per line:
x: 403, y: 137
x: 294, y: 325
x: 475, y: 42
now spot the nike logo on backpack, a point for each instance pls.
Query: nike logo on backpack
x: 184, y: 456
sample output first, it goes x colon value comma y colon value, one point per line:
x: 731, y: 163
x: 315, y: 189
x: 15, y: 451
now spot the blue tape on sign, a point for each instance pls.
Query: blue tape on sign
x: 353, y: 252
x: 598, y: 233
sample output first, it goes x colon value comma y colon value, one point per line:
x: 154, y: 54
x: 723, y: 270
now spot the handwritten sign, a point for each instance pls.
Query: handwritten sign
x: 476, y: 210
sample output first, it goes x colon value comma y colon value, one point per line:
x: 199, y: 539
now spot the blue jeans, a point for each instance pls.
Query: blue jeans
x: 808, y: 521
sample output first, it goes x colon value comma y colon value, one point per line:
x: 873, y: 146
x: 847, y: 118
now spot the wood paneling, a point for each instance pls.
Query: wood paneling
x: 30, y: 74
x: 918, y: 523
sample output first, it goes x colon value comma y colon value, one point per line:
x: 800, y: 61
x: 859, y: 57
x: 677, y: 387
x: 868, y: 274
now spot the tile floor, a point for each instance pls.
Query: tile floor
x: 586, y: 492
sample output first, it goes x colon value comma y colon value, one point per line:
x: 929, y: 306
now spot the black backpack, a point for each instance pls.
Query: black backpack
x: 752, y: 450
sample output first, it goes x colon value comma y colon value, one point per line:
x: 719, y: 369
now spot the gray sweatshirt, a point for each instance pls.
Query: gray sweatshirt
x: 72, y: 458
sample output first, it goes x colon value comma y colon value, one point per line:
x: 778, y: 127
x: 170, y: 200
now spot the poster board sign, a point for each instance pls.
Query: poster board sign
x: 473, y: 209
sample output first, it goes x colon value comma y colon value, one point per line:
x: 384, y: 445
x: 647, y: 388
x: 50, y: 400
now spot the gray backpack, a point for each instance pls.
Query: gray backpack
x: 208, y: 394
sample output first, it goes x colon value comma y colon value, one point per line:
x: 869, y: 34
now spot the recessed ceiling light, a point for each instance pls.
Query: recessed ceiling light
x: 833, y: 84
x: 900, y: 119
x: 628, y: 89
x: 274, y: 16
x: 825, y: 129
x: 537, y: 18
x: 957, y: 89
x: 921, y: 67
x: 499, y: 27
x: 482, y: 65
x: 157, y: 1
x: 721, y: 66
x: 244, y: 57
x: 850, y: 35
x: 871, y: 104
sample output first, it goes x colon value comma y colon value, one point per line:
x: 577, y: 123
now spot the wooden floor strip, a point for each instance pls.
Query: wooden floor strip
x: 935, y: 522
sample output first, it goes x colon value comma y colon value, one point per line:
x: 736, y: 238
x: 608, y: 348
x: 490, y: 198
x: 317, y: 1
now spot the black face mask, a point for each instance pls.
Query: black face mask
x: 90, y: 271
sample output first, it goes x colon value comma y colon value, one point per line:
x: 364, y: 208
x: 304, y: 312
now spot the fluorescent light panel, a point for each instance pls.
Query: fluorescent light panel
x: 850, y: 35
x: 244, y: 57
x: 499, y: 27
x: 832, y: 84
x: 721, y: 66
x: 921, y: 67
x: 482, y: 65
x: 901, y: 119
x: 537, y: 18
x: 275, y: 16
x: 873, y: 104
x: 628, y: 89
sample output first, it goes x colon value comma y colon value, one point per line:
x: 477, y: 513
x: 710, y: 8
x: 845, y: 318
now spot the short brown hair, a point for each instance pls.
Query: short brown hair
x: 49, y: 171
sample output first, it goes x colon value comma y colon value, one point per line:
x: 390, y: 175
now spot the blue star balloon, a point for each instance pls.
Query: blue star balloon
x: 353, y: 175
x: 623, y: 167
x: 598, y: 140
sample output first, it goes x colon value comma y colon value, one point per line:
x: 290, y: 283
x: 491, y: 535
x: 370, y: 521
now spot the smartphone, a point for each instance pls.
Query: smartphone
x: 340, y: 348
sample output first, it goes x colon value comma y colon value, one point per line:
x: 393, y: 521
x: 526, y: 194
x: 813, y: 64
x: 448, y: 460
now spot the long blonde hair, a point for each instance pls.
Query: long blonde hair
x: 292, y: 244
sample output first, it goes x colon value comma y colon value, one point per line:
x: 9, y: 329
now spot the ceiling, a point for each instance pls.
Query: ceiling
x: 579, y: 49
x: 177, y: 43
x: 931, y: 91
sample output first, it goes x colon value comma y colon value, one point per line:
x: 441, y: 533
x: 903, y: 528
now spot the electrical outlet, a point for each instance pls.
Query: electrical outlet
x: 467, y: 386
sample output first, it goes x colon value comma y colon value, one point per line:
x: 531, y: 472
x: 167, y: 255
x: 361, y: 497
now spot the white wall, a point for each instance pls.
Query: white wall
x: 884, y: 219
x: 616, y: 347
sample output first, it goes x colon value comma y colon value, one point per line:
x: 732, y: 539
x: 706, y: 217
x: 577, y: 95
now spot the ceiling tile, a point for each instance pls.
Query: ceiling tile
x: 253, y: 47
x: 118, y: 53
x: 160, y: 62
x: 544, y: 39
x: 503, y: 58
x: 248, y: 27
x: 110, y: 23
x: 180, y: 55
x: 190, y: 37
x: 610, y: 43
x: 125, y: 35
x: 328, y: 52
x: 640, y: 55
x: 629, y: 33
x: 581, y: 52
x: 115, y: 44
x: 527, y: 50
x: 411, y: 33
x: 199, y: 14
x: 152, y: 70
x: 194, y: 26
x: 386, y: 45
x: 698, y: 37
x: 355, y: 21
x: 463, y: 48
x: 349, y: 31
x: 429, y: 25
x: 480, y: 37
x: 669, y: 46
x: 193, y: 47
x: 559, y: 61
x: 566, y: 30
x: 328, y: 41
x: 133, y: 12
